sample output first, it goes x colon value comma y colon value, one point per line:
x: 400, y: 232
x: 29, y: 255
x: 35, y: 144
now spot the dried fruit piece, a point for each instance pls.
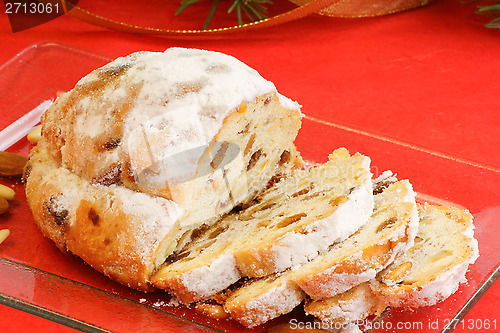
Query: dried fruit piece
x: 398, y: 273
x: 285, y: 157
x: 57, y: 210
x: 386, y: 224
x: 254, y: 158
x: 11, y: 165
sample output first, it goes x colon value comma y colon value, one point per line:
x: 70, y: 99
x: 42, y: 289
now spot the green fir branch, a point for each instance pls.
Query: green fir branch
x: 254, y: 10
x: 493, y: 10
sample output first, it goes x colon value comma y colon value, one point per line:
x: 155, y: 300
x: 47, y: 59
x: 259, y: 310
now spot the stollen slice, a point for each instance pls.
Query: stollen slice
x: 351, y: 306
x: 315, y: 208
x: 293, y: 221
x: 390, y: 232
x: 263, y: 299
x: 396, y: 203
x: 426, y: 274
x: 434, y: 267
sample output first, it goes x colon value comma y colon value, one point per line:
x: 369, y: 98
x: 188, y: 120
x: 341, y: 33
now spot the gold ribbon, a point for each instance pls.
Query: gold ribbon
x: 366, y: 8
x: 336, y: 8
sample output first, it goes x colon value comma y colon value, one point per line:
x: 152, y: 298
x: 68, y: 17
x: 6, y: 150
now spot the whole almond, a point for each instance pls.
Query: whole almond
x: 4, y: 205
x: 11, y: 165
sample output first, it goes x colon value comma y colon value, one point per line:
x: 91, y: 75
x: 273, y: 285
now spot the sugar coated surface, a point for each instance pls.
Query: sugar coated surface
x: 176, y: 101
x: 297, y: 248
x: 212, y: 277
x: 191, y: 90
x: 280, y: 299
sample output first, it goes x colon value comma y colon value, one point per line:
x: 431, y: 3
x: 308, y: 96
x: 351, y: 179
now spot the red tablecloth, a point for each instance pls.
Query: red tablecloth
x: 429, y: 77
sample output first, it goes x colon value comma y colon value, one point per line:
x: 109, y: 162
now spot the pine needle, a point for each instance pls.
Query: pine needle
x: 210, y: 15
x: 255, y: 10
x: 493, y: 10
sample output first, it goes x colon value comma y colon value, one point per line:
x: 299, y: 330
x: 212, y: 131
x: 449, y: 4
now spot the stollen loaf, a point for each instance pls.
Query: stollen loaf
x: 196, y: 131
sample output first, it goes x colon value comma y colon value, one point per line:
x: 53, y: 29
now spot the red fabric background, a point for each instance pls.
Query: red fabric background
x: 428, y: 76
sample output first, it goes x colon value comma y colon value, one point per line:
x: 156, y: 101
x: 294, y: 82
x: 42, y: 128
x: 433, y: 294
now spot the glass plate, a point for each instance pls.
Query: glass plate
x: 37, y: 278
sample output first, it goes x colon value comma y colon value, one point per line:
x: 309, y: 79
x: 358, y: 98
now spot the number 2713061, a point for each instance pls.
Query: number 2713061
x: 471, y: 324
x: 31, y: 8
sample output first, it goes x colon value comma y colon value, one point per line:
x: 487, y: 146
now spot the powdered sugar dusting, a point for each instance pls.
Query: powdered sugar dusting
x: 155, y: 216
x: 187, y: 93
x: 340, y: 282
x: 278, y: 300
x: 448, y: 282
x: 297, y: 248
x: 169, y: 102
x: 443, y: 287
x: 213, y: 277
x: 351, y: 309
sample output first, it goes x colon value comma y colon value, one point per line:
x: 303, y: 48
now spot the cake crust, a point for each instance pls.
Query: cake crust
x: 113, y: 229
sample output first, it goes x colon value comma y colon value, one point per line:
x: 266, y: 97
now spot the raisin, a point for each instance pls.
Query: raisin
x: 249, y: 145
x: 112, y: 144
x: 176, y: 256
x: 219, y: 156
x: 285, y: 157
x: 93, y: 216
x: 301, y: 192
x: 274, y: 180
x: 381, y: 186
x: 199, y: 231
x: 290, y: 219
x: 254, y: 158
x: 110, y: 177
x: 171, y: 258
x: 59, y: 213
x: 217, y: 232
x: 385, y: 224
